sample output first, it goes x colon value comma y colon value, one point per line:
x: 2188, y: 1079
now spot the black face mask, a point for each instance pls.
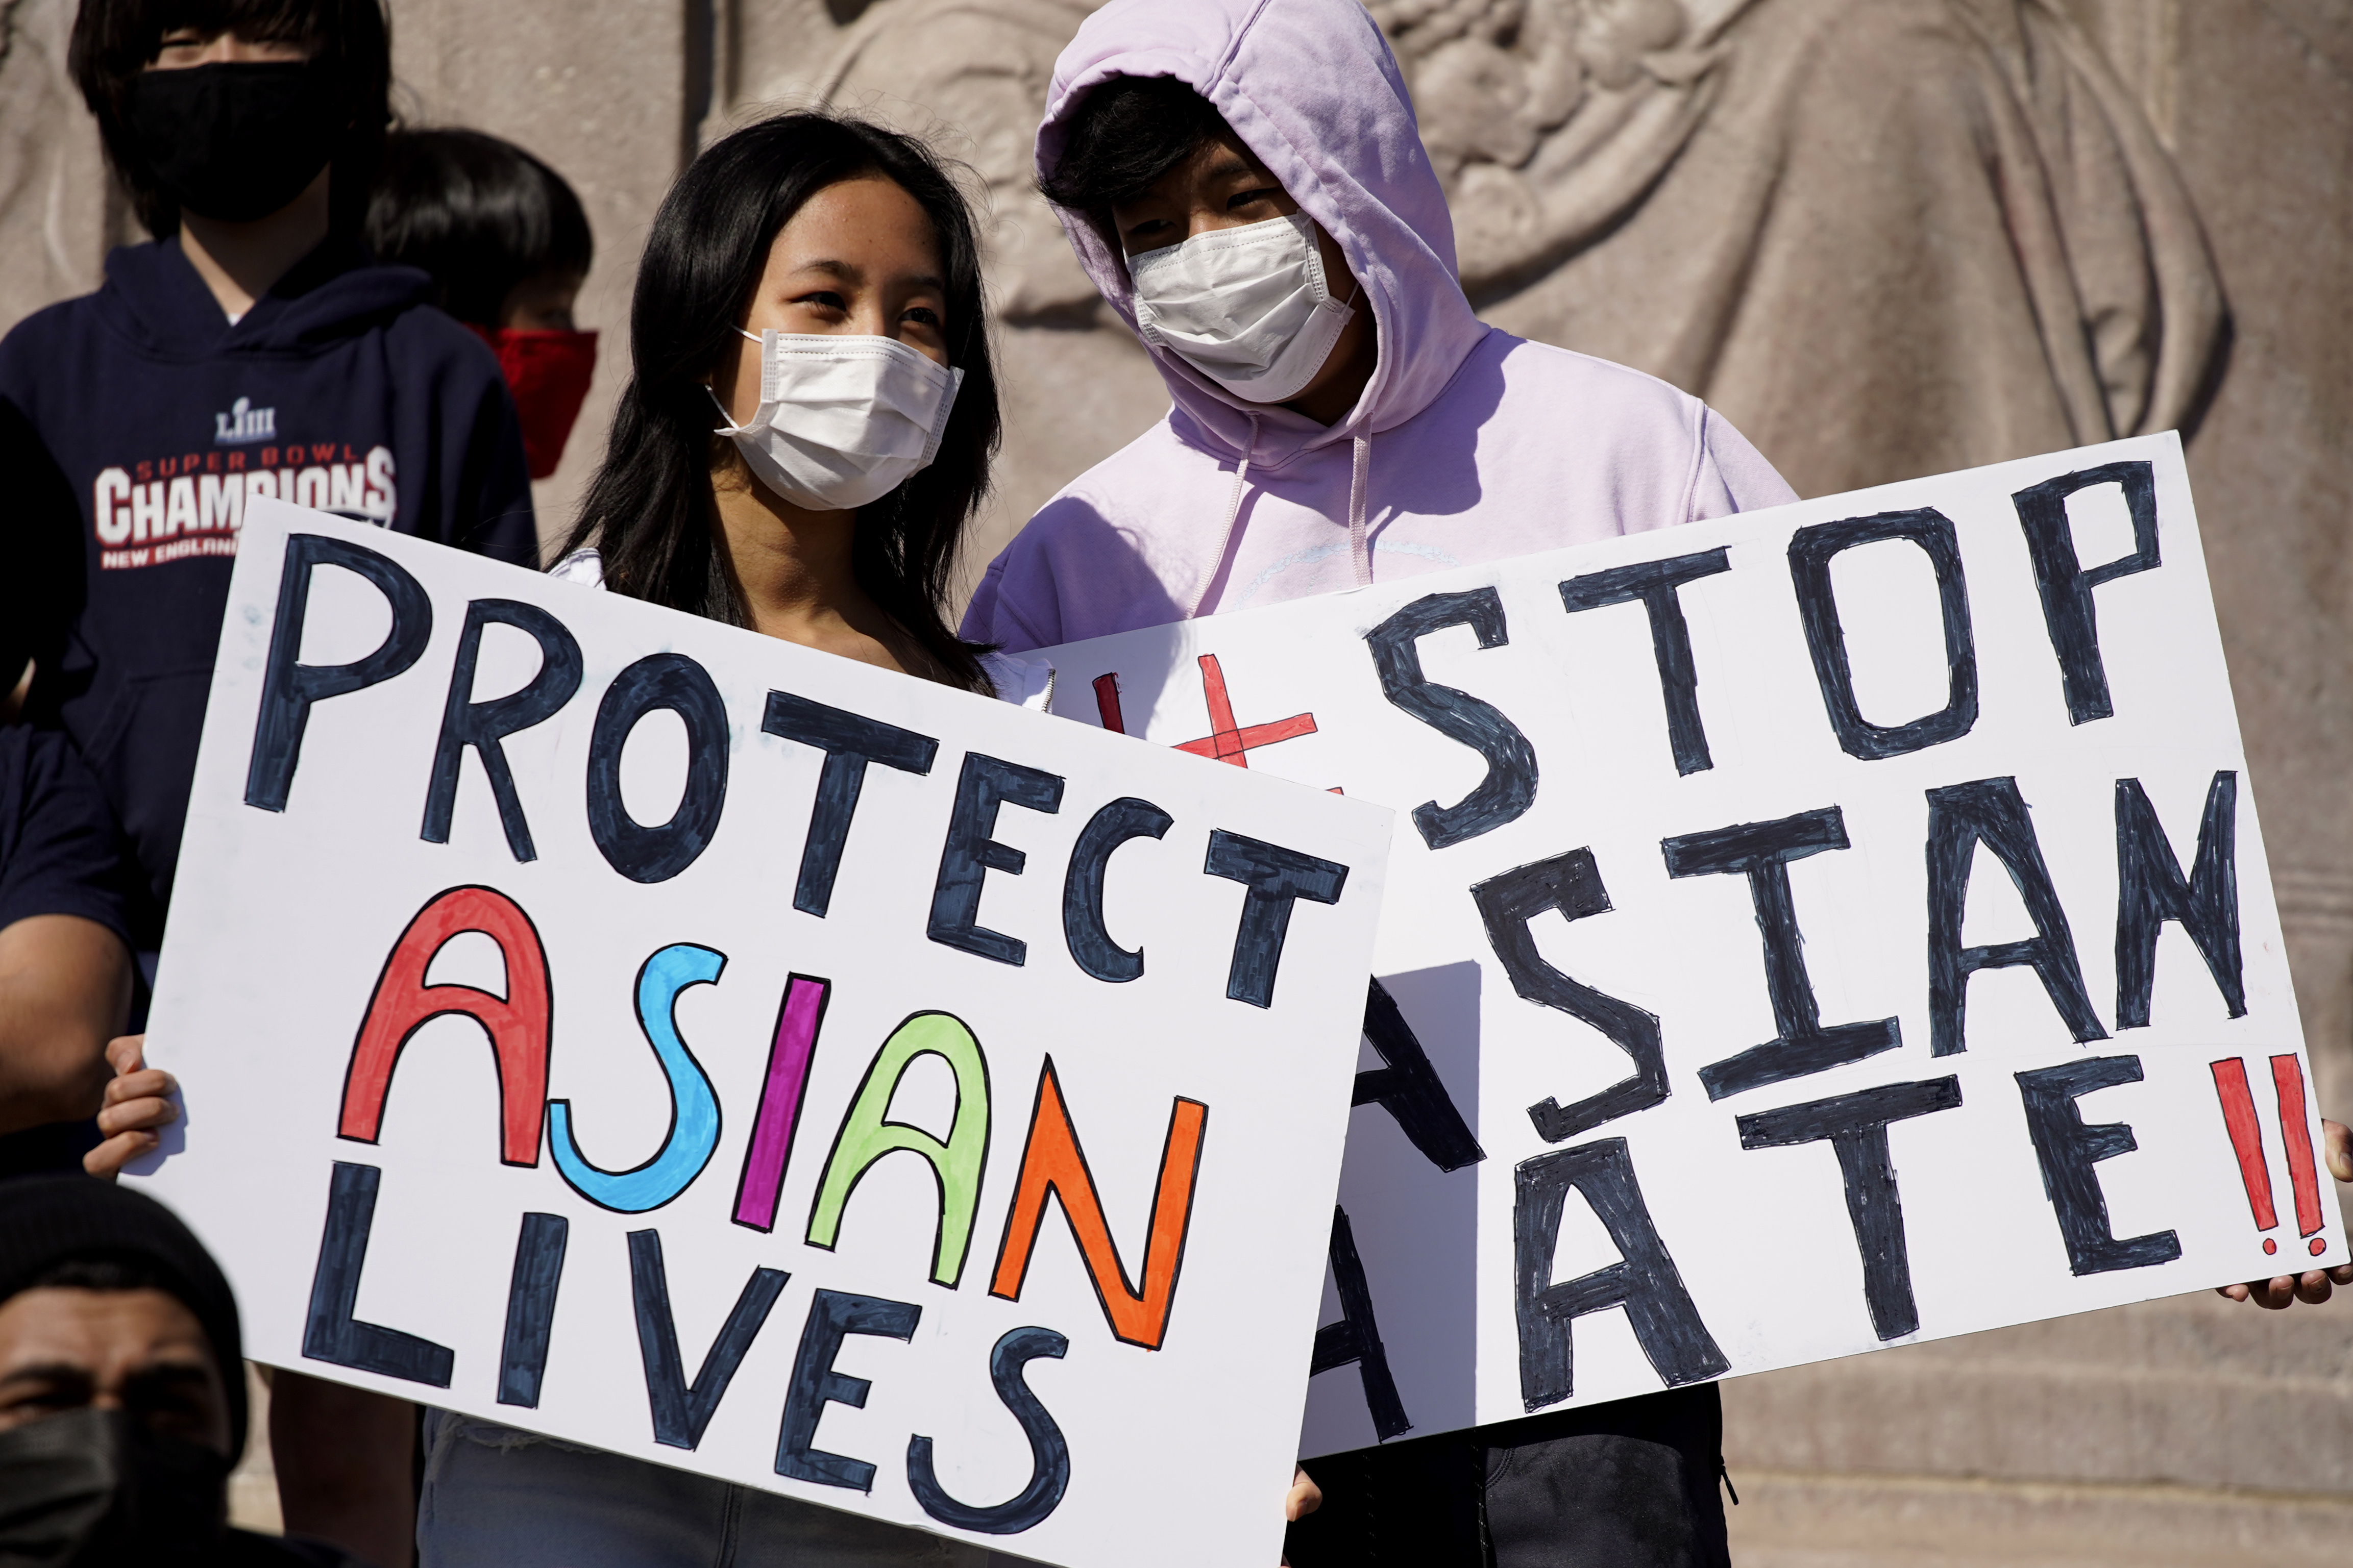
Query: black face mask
x: 237, y: 142
x: 92, y: 1489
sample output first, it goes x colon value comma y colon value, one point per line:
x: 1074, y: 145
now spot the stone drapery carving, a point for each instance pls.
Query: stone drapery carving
x: 1885, y: 238
x: 975, y: 73
x: 56, y: 219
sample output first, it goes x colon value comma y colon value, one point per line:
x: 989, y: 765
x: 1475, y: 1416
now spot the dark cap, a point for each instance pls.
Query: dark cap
x: 49, y: 1220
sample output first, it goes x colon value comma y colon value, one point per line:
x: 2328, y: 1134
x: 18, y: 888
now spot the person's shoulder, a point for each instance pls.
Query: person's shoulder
x: 37, y: 342
x: 1598, y: 386
x: 52, y: 321
x: 423, y: 332
x: 1117, y: 491
x: 1647, y: 435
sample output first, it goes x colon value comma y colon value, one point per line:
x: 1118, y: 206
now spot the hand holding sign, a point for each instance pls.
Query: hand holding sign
x: 2314, y: 1286
x: 139, y: 1102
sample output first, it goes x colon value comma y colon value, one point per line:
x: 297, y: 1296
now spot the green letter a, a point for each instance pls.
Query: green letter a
x: 866, y: 1136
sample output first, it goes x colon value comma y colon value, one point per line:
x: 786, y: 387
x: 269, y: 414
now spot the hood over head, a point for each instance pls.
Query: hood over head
x: 1310, y: 87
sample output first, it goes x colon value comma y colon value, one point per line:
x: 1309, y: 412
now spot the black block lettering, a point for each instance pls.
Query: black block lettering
x: 1991, y: 812
x: 1408, y: 1088
x: 1856, y: 1126
x: 2151, y: 890
x: 2067, y: 1150
x: 682, y: 1410
x: 1571, y: 884
x: 1356, y: 1339
x: 1049, y: 1451
x: 833, y: 1317
x: 484, y: 725
x: 970, y: 854
x: 330, y: 1333
x: 1654, y: 583
x: 2068, y: 612
x: 290, y: 686
x: 1091, y: 948
x: 1276, y: 877
x: 1809, y: 566
x: 1510, y: 787
x: 1762, y: 851
x: 850, y: 742
x: 531, y: 1306
x: 656, y: 854
x: 1644, y: 1281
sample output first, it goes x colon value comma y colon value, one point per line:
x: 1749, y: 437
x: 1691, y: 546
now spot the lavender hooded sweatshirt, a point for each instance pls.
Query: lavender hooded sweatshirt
x: 1467, y: 444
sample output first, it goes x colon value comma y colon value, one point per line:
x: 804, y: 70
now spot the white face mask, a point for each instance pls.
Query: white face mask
x: 842, y: 421
x: 1246, y: 307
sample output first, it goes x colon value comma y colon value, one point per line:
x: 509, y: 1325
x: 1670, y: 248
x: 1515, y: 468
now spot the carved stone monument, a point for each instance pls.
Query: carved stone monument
x: 1885, y: 238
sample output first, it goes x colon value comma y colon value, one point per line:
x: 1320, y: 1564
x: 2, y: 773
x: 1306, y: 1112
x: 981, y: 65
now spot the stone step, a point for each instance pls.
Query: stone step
x: 1797, y: 1519
x: 2193, y: 1391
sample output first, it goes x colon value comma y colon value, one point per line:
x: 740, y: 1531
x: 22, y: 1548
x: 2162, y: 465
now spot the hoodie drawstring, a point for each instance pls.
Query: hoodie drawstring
x: 1359, y: 552
x: 1233, y: 511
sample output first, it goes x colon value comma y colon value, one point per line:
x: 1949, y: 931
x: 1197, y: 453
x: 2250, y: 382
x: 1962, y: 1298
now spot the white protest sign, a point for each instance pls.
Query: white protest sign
x: 614, y: 1023
x: 1830, y: 927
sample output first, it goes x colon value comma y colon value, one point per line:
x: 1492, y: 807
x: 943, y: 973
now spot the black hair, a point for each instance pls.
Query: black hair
x: 481, y: 214
x: 1123, y: 136
x: 114, y: 40
x: 648, y: 510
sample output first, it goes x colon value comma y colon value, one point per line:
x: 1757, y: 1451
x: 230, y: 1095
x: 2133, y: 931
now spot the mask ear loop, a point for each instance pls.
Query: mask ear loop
x: 712, y: 392
x: 731, y: 428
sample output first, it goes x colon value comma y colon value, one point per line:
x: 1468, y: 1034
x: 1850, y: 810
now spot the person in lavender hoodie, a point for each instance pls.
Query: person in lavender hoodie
x: 1245, y: 182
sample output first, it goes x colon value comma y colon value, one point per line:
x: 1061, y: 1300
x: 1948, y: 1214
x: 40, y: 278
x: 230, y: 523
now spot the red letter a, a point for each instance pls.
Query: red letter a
x: 404, y: 1003
x: 1053, y: 1161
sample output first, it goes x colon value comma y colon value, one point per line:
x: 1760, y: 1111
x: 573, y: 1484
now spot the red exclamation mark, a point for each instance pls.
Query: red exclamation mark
x: 1107, y: 703
x: 2287, y: 1076
x: 2247, y: 1142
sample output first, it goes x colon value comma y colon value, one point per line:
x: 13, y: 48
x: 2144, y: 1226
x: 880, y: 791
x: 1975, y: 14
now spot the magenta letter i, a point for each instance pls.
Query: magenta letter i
x: 780, y: 1102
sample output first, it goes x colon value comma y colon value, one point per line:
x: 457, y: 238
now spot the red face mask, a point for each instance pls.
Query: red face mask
x: 548, y: 373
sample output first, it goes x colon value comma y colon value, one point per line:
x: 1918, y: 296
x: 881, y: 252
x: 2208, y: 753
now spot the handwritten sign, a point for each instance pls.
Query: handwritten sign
x: 1827, y: 928
x: 625, y: 1027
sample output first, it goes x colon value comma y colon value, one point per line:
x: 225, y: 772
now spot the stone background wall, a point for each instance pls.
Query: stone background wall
x: 1885, y: 238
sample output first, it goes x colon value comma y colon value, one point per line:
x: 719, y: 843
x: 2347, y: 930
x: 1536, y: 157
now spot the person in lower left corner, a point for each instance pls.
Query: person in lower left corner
x: 122, y: 1388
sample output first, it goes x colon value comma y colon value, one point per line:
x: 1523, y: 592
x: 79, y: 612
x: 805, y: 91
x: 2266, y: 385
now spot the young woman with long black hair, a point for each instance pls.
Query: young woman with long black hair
x: 813, y: 411
x: 805, y: 439
x: 805, y: 435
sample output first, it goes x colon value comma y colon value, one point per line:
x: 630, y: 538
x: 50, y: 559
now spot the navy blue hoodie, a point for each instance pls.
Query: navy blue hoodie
x: 135, y: 421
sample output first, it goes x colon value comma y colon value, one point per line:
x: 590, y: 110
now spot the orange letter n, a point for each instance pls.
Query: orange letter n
x: 516, y: 1023
x: 1053, y: 1163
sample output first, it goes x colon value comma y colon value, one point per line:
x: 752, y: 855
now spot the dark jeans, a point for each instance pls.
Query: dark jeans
x: 1627, y: 1485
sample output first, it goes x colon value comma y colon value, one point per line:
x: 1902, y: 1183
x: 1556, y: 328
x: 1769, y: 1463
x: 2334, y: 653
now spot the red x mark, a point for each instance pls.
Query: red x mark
x: 1229, y: 743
